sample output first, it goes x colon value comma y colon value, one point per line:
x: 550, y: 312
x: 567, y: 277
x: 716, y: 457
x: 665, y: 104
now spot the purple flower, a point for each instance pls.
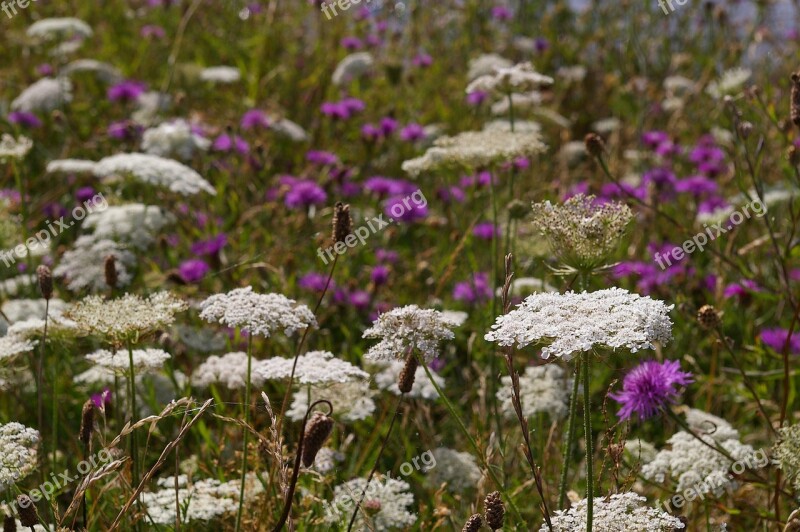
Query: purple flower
x: 475, y: 290
x: 696, y: 185
x: 193, y: 270
x: 45, y: 69
x: 386, y: 186
x: 304, y: 193
x: 359, y: 299
x: 351, y: 43
x: 404, y: 209
x: 370, y: 132
x: 335, y: 110
x: 227, y: 143
x: 353, y: 105
x: 322, y: 158
x: 649, y: 387
x: 373, y: 40
x: 126, y: 91
x: 653, y: 139
x: 212, y: 246
x: 388, y: 126
x: 152, y: 31
x: 422, y: 60
x: 659, y: 177
x: 379, y: 275
x: 486, y: 230
x: 501, y: 13
x: 775, y: 338
x: 254, y: 118
x: 742, y: 289
x: 541, y: 44
x: 386, y: 256
x: 412, y: 132
x: 314, y: 282
x: 450, y: 194
x: 124, y: 130
x: 84, y: 194
x: 477, y: 97
x: 24, y: 119
x: 102, y: 399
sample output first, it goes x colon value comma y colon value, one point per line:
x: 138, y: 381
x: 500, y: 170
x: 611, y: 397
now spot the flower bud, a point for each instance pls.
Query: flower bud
x: 317, y: 431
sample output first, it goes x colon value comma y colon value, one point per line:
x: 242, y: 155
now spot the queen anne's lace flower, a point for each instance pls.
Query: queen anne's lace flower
x: 314, y: 367
x: 541, y: 388
x: 155, y: 170
x: 71, y: 166
x: 290, y: 130
x: 83, y: 266
x: 387, y: 501
x: 787, y: 453
x: 49, y: 28
x: 485, y: 64
x: 327, y: 459
x: 577, y: 322
x: 44, y: 96
x: 11, y: 148
x: 144, y: 360
x: 173, y: 138
x: 520, y: 78
x: 387, y: 379
x: 229, y: 369
x: 406, y: 328
x: 103, y: 71
x: 352, y: 401
x: 622, y: 512
x: 475, y: 149
x: 260, y: 314
x: 221, y: 74
x: 18, y: 446
x: 351, y: 67
x: 134, y: 223
x: 459, y: 470
x: 130, y: 315
x: 12, y: 345
x: 729, y: 84
x: 22, y: 309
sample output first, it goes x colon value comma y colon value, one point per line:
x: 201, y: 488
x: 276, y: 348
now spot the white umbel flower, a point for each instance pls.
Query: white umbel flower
x: 135, y: 223
x: 327, y: 459
x: 541, y: 389
x: 144, y: 360
x: 83, y: 265
x: 50, y: 28
x: 576, y: 322
x: 11, y: 148
x: 18, y: 446
x: 259, y: 314
x: 352, y: 401
x: 314, y: 367
x: 486, y: 64
x: 520, y: 78
x: 475, y: 149
x: 352, y: 67
x: 405, y: 328
x: 387, y: 379
x: 622, y: 512
x: 173, y: 139
x: 459, y: 470
x: 104, y: 72
x: 155, y: 170
x: 44, y: 95
x: 386, y: 501
x: 221, y: 74
x: 229, y: 369
x: 22, y: 309
x: 12, y: 345
x: 292, y: 131
x: 729, y: 84
x: 71, y: 166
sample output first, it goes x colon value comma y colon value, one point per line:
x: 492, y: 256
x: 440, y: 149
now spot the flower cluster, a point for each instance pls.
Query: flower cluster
x: 458, y: 470
x: 314, y: 367
x: 405, y: 329
x: 649, y: 387
x: 144, y: 360
x: 18, y: 446
x: 229, y: 369
x: 387, y: 379
x: 541, y: 389
x: 621, y: 512
x: 519, y: 78
x: 351, y: 401
x: 155, y: 170
x: 387, y: 501
x: 787, y: 452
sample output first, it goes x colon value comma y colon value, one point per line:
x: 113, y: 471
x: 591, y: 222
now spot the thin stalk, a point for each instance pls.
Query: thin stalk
x: 246, y: 429
x: 511, y: 111
x: 573, y: 410
x: 40, y: 377
x: 587, y: 418
x: 134, y: 434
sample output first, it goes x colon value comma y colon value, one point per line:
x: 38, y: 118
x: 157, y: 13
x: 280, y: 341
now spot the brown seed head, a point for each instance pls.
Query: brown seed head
x: 594, y: 144
x: 794, y: 107
x: 45, y: 281
x: 87, y: 422
x: 317, y: 431
x: 708, y: 317
x: 9, y: 524
x: 406, y: 379
x: 473, y: 524
x: 342, y: 222
x: 27, y: 511
x: 518, y: 209
x: 495, y: 511
x: 111, y: 271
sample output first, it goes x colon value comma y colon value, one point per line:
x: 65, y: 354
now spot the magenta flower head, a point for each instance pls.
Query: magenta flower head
x: 649, y: 387
x: 193, y: 270
x: 126, y: 91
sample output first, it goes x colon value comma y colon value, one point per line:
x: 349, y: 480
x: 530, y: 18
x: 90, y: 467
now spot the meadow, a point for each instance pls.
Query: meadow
x: 459, y: 265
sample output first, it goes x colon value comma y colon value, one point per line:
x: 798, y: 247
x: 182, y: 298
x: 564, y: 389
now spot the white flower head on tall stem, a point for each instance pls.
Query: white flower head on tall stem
x: 144, y: 360
x: 314, y: 367
x: 520, y: 78
x: 259, y: 314
x: 18, y: 448
x: 622, y: 512
x: 575, y: 322
x: 14, y: 148
x: 408, y: 328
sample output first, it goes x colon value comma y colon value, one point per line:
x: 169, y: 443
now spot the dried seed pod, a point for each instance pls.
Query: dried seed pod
x: 87, y: 422
x: 495, y: 511
x: 405, y: 380
x: 317, y: 431
x: 9, y: 524
x: 594, y: 144
x: 45, y: 281
x: 27, y: 511
x: 708, y: 317
x: 111, y: 271
x: 342, y: 222
x: 794, y: 110
x: 473, y: 524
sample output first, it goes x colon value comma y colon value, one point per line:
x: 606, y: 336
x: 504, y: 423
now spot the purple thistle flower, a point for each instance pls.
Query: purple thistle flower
x: 386, y: 256
x: 335, y: 110
x: 649, y: 387
x: 212, y: 246
x: 401, y: 209
x: 742, y: 289
x: 541, y: 44
x: 193, y: 270
x: 422, y: 60
x: 475, y: 290
x: 388, y: 126
x: 486, y: 230
x: 696, y: 185
x: 126, y: 91
x: 653, y: 139
x: 351, y: 43
x: 84, y: 194
x: 152, y: 31
x: 45, y: 69
x: 314, y: 282
x: 379, y: 275
x: 370, y: 132
x: 450, y: 194
x: 360, y: 299
x: 304, y: 193
x: 775, y: 337
x: 412, y: 133
x: 477, y: 97
x: 254, y: 118
x: 102, y: 399
x: 386, y: 186
x: 322, y: 158
x: 124, y: 130
x: 501, y: 13
x: 353, y: 105
x: 24, y: 119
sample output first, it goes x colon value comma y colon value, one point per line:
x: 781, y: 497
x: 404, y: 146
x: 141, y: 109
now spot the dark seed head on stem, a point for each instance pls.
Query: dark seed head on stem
x: 317, y: 431
x: 27, y: 511
x: 794, y: 110
x: 406, y: 379
x: 495, y: 511
x: 87, y: 422
x: 111, y: 271
x: 342, y: 222
x: 594, y: 144
x: 45, y: 281
x: 708, y: 317
x: 9, y: 524
x: 473, y: 524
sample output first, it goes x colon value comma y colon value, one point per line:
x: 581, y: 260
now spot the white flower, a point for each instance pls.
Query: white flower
x: 475, y: 149
x: 17, y: 453
x: 118, y: 319
x: 525, y: 286
x: 203, y: 340
x: 144, y: 360
x: 221, y: 74
x: 259, y: 314
x: 326, y: 460
x: 459, y: 470
x: 405, y: 328
x: 314, y: 367
x: 386, y: 502
x: 541, y: 389
x: 607, y: 125
x: 155, y: 170
x: 33, y: 328
x: 520, y: 78
x: 173, y: 138
x: 83, y: 267
x: 71, y: 166
x: 387, y: 379
x: 729, y: 84
x: 456, y: 317
x: 520, y: 126
x: 11, y: 287
x: 12, y: 345
x: 352, y: 401
x: 105, y: 72
x: 290, y: 130
x: 486, y: 64
x: 44, y: 95
x: 572, y: 73
x: 577, y: 322
x: 622, y: 512
x: 149, y: 105
x: 22, y: 309
x: 14, y: 148
x: 640, y: 451
x: 229, y: 369
x: 134, y: 223
x: 49, y: 28
x: 351, y: 67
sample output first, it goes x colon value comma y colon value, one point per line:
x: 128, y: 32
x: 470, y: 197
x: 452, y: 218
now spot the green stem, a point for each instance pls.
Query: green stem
x: 476, y: 449
x: 573, y: 411
x: 511, y: 111
x: 587, y: 416
x: 246, y: 430
x: 134, y: 434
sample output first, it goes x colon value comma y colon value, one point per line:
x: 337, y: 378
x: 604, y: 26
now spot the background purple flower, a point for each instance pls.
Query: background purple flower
x: 649, y: 387
x: 193, y: 270
x: 775, y: 337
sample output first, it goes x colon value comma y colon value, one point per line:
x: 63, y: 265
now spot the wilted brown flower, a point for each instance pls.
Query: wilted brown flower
x: 317, y: 431
x: 495, y: 510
